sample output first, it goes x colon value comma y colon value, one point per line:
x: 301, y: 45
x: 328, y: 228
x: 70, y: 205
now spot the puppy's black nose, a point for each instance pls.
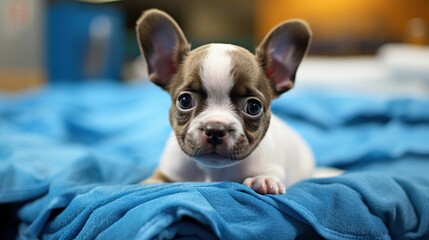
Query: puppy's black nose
x: 215, y: 133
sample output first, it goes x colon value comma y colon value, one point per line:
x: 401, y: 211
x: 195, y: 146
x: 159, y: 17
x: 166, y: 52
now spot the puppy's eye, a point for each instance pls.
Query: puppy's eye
x: 185, y: 101
x: 253, y: 107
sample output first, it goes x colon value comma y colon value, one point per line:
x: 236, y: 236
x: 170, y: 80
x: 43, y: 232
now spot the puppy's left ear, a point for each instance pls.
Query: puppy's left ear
x: 163, y: 44
x: 281, y: 52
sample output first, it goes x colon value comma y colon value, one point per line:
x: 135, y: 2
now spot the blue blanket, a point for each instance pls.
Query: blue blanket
x: 70, y: 156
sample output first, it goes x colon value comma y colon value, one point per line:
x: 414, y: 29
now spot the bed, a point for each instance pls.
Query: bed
x: 71, y: 155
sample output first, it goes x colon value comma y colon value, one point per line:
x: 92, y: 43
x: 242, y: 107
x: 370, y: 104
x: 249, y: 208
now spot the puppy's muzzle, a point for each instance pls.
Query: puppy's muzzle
x: 215, y: 133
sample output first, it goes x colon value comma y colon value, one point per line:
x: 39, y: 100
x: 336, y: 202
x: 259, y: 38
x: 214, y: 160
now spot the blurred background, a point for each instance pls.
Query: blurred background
x: 51, y: 41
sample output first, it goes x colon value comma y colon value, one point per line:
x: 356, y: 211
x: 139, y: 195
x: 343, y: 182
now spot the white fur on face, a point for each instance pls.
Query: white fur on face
x: 216, y: 74
x: 216, y: 77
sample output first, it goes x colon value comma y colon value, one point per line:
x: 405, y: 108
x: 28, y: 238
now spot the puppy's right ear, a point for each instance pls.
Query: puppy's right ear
x: 162, y: 43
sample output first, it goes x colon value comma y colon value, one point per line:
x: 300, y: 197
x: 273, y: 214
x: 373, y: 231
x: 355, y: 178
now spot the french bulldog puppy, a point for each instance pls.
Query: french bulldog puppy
x: 223, y: 128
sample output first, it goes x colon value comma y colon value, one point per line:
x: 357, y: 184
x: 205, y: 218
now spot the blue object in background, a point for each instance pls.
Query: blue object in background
x: 83, y: 41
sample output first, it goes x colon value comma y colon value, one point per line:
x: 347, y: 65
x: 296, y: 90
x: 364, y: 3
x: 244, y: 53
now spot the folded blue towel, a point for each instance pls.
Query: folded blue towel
x: 68, y: 164
x: 380, y: 204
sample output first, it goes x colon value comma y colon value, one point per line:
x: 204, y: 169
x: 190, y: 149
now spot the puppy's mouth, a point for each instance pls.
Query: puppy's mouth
x: 214, y: 160
x: 212, y: 146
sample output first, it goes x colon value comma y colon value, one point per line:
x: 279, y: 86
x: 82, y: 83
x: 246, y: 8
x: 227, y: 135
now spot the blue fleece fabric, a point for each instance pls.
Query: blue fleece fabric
x: 70, y: 156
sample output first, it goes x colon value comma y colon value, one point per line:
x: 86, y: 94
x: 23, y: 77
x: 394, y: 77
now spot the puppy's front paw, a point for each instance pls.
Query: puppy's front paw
x: 265, y: 185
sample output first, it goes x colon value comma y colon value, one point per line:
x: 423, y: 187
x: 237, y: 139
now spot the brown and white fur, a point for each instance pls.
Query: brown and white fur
x: 223, y: 128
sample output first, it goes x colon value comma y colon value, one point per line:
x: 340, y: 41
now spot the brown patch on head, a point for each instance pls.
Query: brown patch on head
x: 187, y: 77
x: 249, y: 78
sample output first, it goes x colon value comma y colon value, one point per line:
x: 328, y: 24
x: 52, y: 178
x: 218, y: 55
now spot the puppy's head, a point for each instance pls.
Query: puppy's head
x: 221, y: 93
